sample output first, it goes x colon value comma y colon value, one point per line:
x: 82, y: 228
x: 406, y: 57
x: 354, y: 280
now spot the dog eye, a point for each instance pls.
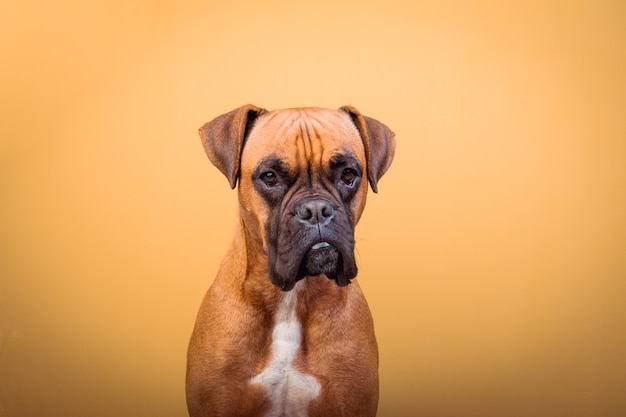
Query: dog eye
x: 269, y: 178
x: 348, y: 175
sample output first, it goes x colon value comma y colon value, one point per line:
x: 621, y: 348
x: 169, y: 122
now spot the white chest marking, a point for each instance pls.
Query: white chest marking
x: 289, y: 390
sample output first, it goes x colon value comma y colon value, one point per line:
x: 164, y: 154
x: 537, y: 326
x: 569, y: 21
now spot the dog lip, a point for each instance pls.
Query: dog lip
x: 320, y: 245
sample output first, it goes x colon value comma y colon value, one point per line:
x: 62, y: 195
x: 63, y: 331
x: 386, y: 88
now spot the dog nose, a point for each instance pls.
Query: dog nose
x: 315, y: 212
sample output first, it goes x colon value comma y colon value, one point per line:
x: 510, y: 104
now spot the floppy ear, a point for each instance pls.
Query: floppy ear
x: 379, y: 144
x: 223, y: 139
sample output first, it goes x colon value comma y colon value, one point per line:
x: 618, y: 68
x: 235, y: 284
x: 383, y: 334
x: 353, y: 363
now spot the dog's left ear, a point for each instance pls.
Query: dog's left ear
x: 379, y: 144
x: 223, y: 139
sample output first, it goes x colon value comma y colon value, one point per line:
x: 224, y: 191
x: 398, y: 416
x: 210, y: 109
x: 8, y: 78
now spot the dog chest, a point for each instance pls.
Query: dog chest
x: 289, y: 390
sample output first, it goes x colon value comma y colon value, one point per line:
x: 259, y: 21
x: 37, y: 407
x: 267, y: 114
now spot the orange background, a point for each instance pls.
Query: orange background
x: 493, y: 258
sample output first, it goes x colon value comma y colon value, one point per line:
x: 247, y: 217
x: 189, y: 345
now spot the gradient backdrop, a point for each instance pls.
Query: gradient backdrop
x: 493, y: 258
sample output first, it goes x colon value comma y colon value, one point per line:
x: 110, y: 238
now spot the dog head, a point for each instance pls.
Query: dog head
x: 302, y: 183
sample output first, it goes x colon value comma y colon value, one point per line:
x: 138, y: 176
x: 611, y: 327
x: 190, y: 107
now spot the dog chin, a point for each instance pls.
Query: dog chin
x: 325, y: 259
x: 321, y: 258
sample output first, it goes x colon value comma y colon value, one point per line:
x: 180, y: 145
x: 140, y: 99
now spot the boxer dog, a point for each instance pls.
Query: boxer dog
x: 283, y: 331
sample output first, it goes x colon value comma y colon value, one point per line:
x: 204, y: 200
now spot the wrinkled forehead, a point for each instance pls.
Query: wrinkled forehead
x: 302, y: 136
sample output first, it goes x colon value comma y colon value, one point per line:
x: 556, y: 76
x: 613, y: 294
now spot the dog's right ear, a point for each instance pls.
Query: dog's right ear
x: 223, y: 139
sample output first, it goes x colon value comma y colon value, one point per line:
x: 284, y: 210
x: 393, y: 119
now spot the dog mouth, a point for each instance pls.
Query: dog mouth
x: 323, y: 259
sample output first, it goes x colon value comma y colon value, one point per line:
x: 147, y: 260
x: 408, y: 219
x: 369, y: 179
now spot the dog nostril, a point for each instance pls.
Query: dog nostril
x: 304, y: 212
x: 327, y: 210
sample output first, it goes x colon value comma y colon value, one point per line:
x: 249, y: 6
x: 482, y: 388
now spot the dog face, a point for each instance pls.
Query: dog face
x: 303, y: 168
x: 302, y: 184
